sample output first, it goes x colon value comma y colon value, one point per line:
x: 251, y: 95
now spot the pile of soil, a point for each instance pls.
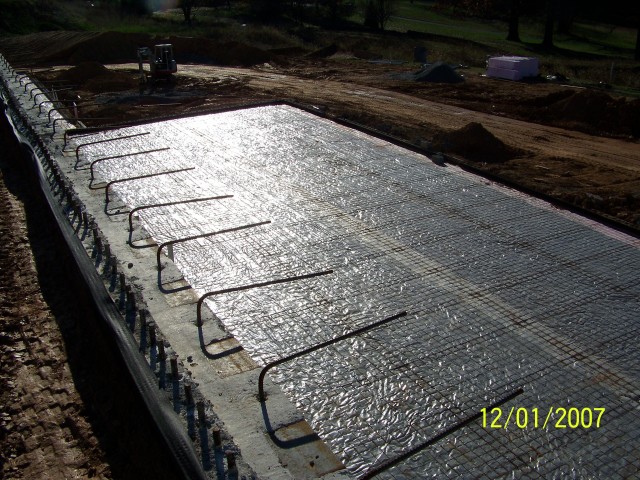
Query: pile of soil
x: 324, y: 52
x: 237, y: 54
x: 44, y: 48
x: 202, y: 50
x: 76, y: 48
x: 110, y: 47
x: 548, y: 99
x: 112, y: 82
x: 476, y: 143
x: 598, y: 110
x: 186, y: 49
x: 93, y: 77
x: 438, y: 72
x: 83, y: 72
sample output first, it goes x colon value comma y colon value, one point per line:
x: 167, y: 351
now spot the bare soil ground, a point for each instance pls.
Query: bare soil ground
x: 575, y: 145
x: 45, y: 431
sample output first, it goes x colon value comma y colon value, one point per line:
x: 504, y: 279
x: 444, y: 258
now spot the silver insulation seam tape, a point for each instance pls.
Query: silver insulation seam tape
x: 501, y: 291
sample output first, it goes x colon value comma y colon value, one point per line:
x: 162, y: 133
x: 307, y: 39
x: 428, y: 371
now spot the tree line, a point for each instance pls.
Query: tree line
x: 558, y: 15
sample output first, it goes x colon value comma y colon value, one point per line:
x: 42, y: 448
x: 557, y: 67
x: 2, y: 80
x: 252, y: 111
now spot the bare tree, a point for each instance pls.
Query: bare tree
x: 514, y: 20
x: 637, y: 52
x: 134, y: 7
x: 567, y: 10
x: 378, y: 12
x: 187, y: 7
x: 547, y: 42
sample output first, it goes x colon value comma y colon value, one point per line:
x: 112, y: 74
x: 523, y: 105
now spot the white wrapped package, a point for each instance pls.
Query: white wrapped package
x: 512, y: 68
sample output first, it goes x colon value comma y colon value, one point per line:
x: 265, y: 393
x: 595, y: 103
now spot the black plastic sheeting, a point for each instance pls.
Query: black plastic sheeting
x: 179, y: 447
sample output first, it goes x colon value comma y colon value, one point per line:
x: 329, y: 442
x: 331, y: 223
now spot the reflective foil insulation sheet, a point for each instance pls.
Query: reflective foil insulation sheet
x: 331, y: 230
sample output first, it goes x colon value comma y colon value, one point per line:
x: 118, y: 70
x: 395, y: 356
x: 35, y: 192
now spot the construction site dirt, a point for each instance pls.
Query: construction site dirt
x: 579, y: 146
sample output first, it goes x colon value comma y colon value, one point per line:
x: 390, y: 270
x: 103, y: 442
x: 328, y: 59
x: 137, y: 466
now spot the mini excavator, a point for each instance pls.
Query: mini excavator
x: 162, y: 65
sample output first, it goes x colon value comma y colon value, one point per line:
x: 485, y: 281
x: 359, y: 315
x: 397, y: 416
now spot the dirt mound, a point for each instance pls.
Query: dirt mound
x: 585, y: 104
x: 324, y: 52
x: 95, y: 77
x: 633, y: 113
x: 200, y: 50
x: 44, y: 48
x: 288, y: 51
x: 597, y: 113
x: 114, y: 47
x: 438, y: 72
x: 235, y: 53
x: 112, y: 82
x: 474, y: 142
x: 110, y: 47
x: 548, y: 99
x: 83, y: 72
x: 74, y: 48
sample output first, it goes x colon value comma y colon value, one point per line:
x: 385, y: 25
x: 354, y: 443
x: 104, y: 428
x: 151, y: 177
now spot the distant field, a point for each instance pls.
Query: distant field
x: 585, y: 37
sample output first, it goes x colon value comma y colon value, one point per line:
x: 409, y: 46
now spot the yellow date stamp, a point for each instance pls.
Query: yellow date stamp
x: 552, y: 417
